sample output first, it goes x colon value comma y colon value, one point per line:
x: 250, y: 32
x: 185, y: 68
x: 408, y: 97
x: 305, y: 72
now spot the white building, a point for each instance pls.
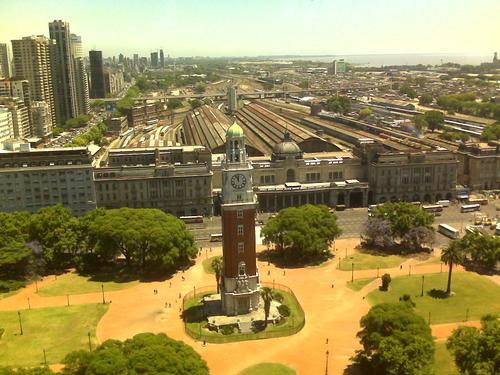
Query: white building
x: 41, y: 119
x: 6, y: 125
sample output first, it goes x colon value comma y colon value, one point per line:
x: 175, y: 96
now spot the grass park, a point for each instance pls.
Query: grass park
x: 268, y: 369
x: 473, y: 296
x: 359, y: 284
x: 207, y: 265
x: 443, y: 360
x: 57, y: 330
x: 366, y: 261
x: 72, y: 283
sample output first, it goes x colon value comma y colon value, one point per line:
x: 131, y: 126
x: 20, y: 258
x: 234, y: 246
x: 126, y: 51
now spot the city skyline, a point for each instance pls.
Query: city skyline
x: 299, y: 27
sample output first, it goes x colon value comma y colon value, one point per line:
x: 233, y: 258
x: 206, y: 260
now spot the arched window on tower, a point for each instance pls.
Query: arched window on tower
x: 241, y: 269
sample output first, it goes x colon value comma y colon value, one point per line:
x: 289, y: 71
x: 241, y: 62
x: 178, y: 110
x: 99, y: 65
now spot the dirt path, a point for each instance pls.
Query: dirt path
x: 332, y: 313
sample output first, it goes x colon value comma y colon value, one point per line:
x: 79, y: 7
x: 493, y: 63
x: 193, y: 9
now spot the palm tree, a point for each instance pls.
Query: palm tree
x: 217, y: 265
x: 267, y: 295
x: 452, y: 254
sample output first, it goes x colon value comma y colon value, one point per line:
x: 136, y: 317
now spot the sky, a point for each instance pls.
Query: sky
x: 264, y: 27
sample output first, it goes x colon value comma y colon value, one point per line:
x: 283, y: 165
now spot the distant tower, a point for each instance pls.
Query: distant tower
x: 154, y: 59
x: 495, y: 58
x: 232, y: 98
x: 4, y: 61
x: 240, y: 278
x: 97, y: 83
x: 162, y: 59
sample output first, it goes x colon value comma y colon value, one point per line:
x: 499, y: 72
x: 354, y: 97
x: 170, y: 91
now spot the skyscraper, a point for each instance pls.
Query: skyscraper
x: 68, y: 72
x: 4, y: 61
x: 120, y: 58
x: 97, y: 87
x: 32, y: 63
x: 154, y: 59
x: 162, y: 59
x: 81, y: 81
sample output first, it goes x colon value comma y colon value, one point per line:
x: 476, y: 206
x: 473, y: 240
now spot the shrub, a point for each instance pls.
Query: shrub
x: 284, y: 310
x: 406, y: 298
x: 277, y: 296
x: 386, y: 280
x: 227, y: 330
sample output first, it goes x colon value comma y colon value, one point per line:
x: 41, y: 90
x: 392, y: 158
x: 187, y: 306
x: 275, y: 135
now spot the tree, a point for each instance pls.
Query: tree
x: 339, y: 104
x: 421, y: 81
x: 145, y: 353
x: 403, y: 217
x: 378, y: 233
x: 200, y: 88
x: 435, y: 119
x: 425, y: 99
x: 481, y: 250
x: 147, y: 238
x: 491, y: 132
x: 452, y: 254
x: 195, y: 103
x: 365, y: 112
x: 302, y: 233
x: 386, y: 280
x: 267, y: 296
x: 57, y: 231
x: 217, y: 265
x: 304, y: 84
x: 408, y: 91
x: 417, y: 237
x: 395, y: 341
x: 420, y: 123
x: 174, y: 103
x: 476, y: 350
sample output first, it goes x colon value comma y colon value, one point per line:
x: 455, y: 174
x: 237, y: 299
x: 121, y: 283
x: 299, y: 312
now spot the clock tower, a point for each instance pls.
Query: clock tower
x: 240, y: 277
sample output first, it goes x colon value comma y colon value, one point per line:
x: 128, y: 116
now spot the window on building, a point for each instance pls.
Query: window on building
x: 240, y: 230
x: 241, y: 247
x: 239, y: 214
x: 241, y: 269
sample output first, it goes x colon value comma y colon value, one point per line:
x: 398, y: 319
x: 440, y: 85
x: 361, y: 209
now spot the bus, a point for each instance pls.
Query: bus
x: 448, y: 231
x: 217, y: 237
x: 192, y: 219
x: 497, y: 230
x: 482, y: 201
x: 432, y: 208
x: 470, y: 208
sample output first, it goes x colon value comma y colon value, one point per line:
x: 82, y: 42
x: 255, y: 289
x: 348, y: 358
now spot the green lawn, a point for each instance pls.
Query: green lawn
x: 365, y: 261
x: 72, y: 283
x: 443, y: 360
x: 472, y: 291
x: 207, y: 265
x: 58, y: 330
x: 195, y: 321
x: 360, y: 283
x: 268, y: 369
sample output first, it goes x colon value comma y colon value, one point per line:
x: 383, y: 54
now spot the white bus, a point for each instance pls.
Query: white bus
x: 470, y: 208
x: 497, y: 230
x: 444, y: 203
x: 448, y: 231
x: 216, y: 237
x: 432, y: 208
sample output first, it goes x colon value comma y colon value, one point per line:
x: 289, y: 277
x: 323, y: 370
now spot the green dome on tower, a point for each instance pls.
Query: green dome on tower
x: 234, y: 131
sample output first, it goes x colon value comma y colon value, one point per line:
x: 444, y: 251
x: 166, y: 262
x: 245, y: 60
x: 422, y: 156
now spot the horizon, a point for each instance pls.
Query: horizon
x: 279, y: 28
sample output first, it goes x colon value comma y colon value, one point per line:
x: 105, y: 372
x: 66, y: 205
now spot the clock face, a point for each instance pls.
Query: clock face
x: 238, y: 181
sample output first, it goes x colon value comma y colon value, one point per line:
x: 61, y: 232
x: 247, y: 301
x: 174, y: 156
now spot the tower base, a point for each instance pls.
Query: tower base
x: 240, y: 295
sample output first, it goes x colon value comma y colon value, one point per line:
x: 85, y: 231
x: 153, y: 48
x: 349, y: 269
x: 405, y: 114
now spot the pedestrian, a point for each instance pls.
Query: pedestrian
x: 268, y: 272
x: 170, y: 286
x: 166, y: 304
x: 179, y: 295
x: 204, y: 343
x: 327, y: 340
x: 169, y: 305
x: 401, y: 267
x: 332, y: 285
x: 183, y: 278
x: 283, y: 272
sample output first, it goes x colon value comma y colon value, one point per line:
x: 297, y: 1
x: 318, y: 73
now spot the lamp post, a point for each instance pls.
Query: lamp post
x: 422, y: 294
x: 90, y: 343
x: 102, y: 289
x: 20, y: 323
x: 409, y: 270
x: 352, y: 272
x: 326, y: 367
x: 29, y: 305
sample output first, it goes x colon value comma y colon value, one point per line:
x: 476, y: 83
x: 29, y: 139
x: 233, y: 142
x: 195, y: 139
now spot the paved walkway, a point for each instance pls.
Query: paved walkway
x: 331, y: 313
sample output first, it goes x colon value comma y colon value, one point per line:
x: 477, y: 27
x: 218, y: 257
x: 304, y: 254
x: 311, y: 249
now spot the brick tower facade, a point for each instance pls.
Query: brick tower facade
x: 240, y: 278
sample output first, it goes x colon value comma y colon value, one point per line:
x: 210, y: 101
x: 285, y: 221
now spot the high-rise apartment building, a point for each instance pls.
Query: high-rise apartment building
x: 4, y: 61
x: 41, y: 120
x: 97, y: 86
x: 17, y: 88
x: 136, y: 60
x: 20, y: 116
x: 6, y: 124
x: 31, y: 59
